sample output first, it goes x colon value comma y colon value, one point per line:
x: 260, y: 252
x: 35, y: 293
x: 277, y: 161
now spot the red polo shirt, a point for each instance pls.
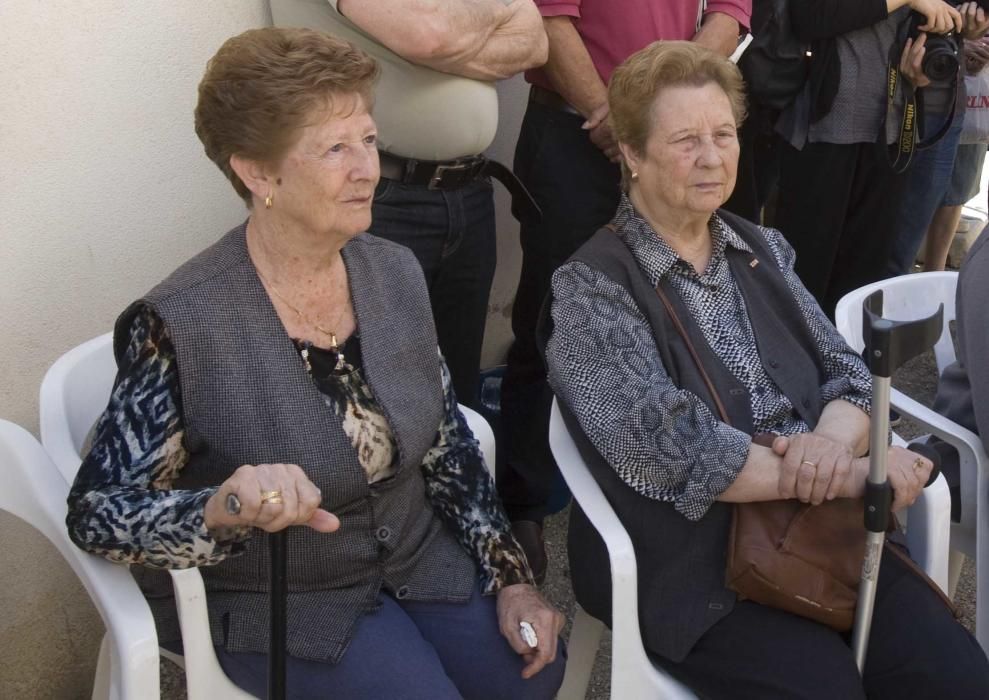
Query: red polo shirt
x: 613, y: 30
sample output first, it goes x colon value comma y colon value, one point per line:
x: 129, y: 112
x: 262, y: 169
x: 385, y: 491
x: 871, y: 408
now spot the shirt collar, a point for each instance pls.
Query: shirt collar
x: 653, y: 253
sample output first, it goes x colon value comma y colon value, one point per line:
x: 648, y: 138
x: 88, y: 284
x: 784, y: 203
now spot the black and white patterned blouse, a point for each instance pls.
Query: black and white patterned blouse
x: 122, y: 505
x: 604, y: 364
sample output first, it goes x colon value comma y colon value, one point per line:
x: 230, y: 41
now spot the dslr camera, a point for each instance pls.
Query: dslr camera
x: 944, y: 51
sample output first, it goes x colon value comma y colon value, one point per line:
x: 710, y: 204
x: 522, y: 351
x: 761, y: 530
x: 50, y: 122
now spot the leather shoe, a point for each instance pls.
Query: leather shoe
x: 529, y: 535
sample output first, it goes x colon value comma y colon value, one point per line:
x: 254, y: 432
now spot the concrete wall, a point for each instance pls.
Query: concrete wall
x: 103, y: 190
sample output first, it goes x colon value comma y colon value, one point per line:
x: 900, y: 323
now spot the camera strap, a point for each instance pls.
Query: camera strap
x: 906, y: 140
x: 911, y: 119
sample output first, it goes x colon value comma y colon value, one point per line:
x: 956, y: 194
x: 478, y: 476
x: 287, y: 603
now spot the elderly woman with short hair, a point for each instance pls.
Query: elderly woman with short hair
x: 289, y: 375
x: 676, y: 289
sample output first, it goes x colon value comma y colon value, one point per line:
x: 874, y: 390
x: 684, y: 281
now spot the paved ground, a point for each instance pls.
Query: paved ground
x: 916, y: 379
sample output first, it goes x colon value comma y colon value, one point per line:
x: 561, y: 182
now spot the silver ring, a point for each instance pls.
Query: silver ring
x: 232, y: 504
x: 528, y: 634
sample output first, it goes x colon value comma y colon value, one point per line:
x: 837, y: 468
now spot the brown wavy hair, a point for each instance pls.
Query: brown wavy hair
x: 264, y: 86
x: 639, y: 80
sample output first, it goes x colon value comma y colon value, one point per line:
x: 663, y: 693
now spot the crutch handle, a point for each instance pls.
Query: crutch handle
x: 889, y: 344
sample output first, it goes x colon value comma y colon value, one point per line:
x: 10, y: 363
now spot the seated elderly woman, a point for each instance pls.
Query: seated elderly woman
x: 289, y: 375
x: 673, y: 459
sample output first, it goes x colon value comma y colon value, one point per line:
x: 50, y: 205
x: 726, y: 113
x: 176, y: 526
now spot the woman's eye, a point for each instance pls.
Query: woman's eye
x: 371, y: 140
x: 337, y: 148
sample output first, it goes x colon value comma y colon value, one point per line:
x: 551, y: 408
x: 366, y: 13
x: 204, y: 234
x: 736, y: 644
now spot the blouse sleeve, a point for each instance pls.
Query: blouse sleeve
x: 462, y: 493
x: 846, y: 374
x: 603, y: 363
x: 121, y: 504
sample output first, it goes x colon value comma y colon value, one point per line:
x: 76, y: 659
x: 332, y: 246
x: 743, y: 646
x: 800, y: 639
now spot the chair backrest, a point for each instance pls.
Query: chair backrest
x: 633, y: 674
x: 74, y: 393
x: 35, y: 491
x: 905, y: 298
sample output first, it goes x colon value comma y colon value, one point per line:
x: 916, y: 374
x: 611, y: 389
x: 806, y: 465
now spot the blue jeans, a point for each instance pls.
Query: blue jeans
x: 927, y: 184
x: 413, y: 651
x: 452, y: 234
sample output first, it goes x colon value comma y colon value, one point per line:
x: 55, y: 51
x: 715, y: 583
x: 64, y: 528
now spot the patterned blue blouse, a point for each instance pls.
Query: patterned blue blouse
x: 122, y: 506
x: 604, y: 364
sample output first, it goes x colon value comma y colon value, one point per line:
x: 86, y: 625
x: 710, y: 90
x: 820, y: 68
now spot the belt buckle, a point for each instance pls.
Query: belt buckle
x: 436, y: 181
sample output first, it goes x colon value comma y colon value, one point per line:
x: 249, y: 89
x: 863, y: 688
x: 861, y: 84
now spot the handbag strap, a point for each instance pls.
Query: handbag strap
x: 719, y: 404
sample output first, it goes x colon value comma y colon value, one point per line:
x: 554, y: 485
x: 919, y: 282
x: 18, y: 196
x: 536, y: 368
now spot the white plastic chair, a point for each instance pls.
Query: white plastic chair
x: 914, y: 296
x: 633, y: 674
x: 74, y: 393
x: 35, y: 491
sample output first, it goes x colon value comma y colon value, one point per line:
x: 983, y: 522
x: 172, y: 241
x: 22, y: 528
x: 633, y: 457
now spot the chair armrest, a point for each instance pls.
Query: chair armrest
x: 40, y: 500
x: 971, y: 451
x: 588, y: 494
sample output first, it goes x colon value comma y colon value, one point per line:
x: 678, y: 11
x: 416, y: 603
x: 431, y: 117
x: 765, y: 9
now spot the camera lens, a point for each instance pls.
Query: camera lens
x: 940, y: 63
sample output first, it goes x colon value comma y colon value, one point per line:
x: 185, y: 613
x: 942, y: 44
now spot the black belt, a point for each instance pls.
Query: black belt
x: 452, y: 174
x: 548, y: 98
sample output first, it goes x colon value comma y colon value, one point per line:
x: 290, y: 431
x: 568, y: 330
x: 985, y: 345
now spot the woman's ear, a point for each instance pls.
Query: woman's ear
x: 629, y: 156
x: 253, y: 174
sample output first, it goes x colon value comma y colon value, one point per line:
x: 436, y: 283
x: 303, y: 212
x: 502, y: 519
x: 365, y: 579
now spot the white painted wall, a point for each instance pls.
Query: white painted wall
x: 103, y: 190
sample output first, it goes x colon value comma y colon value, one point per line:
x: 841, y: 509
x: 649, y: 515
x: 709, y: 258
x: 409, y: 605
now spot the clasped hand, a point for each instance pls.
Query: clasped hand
x: 816, y: 469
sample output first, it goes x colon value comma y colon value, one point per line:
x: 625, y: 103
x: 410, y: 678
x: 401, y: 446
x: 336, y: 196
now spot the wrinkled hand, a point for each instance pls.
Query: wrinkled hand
x: 911, y: 61
x: 600, y: 133
x: 524, y: 602
x: 976, y: 56
x: 814, y: 468
x: 975, y: 20
x: 907, y: 473
x: 941, y: 17
x: 299, y: 506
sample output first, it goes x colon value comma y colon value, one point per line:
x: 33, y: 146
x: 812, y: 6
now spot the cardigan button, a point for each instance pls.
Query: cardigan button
x: 383, y: 534
x: 774, y: 364
x: 402, y: 592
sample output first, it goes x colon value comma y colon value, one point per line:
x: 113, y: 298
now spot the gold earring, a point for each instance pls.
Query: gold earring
x: 268, y: 201
x: 635, y: 175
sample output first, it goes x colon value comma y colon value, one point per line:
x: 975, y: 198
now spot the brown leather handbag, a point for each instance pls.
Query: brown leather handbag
x: 801, y: 558
x: 804, y: 559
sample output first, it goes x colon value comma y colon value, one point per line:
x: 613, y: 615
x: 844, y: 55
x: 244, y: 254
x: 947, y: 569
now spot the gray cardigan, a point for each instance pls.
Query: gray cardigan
x: 247, y: 399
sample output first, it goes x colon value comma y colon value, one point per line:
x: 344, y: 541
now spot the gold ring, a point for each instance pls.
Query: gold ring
x: 810, y: 464
x: 271, y: 497
x: 918, y: 464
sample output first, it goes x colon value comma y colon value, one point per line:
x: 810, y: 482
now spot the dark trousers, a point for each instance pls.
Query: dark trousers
x: 838, y: 209
x: 758, y: 165
x: 452, y: 233
x: 916, y: 650
x: 577, y: 189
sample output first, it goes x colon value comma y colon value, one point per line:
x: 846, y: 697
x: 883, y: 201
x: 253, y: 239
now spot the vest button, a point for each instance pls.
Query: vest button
x: 774, y: 364
x: 383, y: 534
x: 402, y: 592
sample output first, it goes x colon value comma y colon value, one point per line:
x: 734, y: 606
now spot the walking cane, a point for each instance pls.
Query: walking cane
x: 276, y: 642
x: 888, y: 344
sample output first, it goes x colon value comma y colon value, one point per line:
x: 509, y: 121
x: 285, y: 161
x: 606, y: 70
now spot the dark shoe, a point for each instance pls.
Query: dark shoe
x: 894, y: 418
x: 529, y: 535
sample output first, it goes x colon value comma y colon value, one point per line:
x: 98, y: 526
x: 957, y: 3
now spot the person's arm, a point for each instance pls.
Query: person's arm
x: 121, y: 504
x: 973, y: 331
x: 462, y: 493
x: 482, y: 39
x: 822, y: 19
x: 719, y: 32
x: 604, y: 366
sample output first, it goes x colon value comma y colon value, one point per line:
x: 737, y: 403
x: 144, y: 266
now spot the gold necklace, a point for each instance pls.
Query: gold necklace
x: 305, y: 318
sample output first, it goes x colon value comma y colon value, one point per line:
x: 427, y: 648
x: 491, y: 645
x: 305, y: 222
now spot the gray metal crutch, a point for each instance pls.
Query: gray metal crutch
x: 888, y: 344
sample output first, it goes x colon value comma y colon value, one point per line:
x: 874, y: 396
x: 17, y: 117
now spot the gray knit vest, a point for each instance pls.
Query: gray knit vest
x: 681, y: 564
x: 246, y: 398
